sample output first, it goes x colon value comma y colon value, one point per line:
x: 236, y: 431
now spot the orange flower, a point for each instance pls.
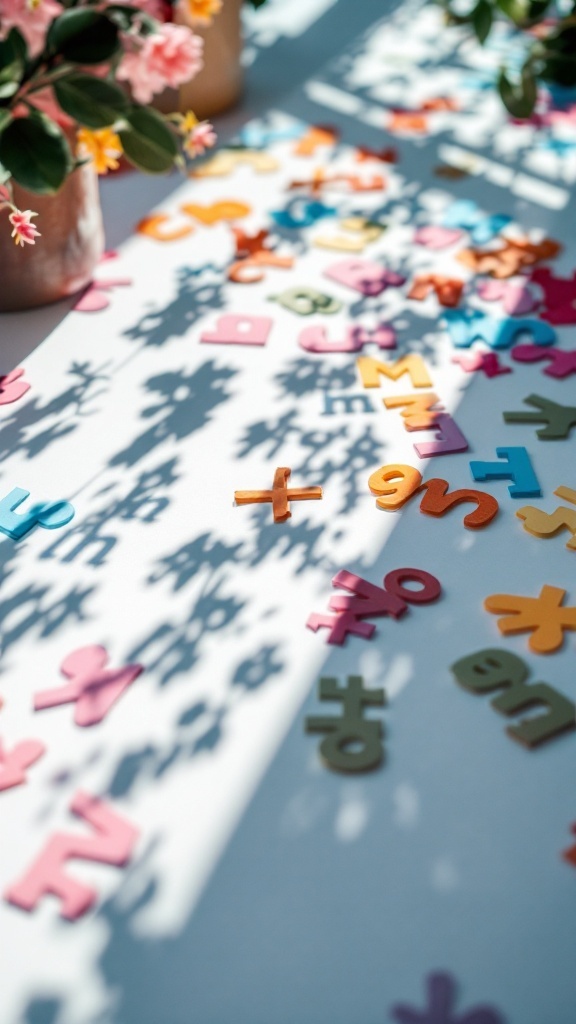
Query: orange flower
x: 103, y: 147
x: 201, y: 12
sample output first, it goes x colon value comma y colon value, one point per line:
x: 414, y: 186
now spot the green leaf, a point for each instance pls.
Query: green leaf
x: 5, y: 118
x: 516, y: 10
x: 481, y: 19
x: 12, y: 64
x: 35, y: 152
x: 147, y: 142
x: 84, y: 36
x: 90, y: 101
x: 519, y: 98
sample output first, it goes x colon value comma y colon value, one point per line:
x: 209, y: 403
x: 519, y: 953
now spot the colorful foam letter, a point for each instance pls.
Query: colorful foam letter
x: 437, y: 237
x: 487, y: 362
x: 448, y: 289
x: 544, y: 617
x: 92, y: 687
x: 495, y: 669
x: 465, y: 213
x: 510, y: 258
x: 351, y: 729
x: 559, y: 419
x: 95, y: 297
x: 49, y: 514
x: 395, y: 484
x: 559, y: 296
x: 154, y: 227
x: 516, y: 467
x: 12, y: 388
x: 370, y: 601
x: 301, y: 213
x: 516, y: 298
x: 13, y: 763
x: 563, y: 364
x: 363, y: 276
x: 419, y: 412
x: 280, y: 496
x: 371, y: 370
x: 239, y: 329
x: 214, y: 213
x: 449, y: 439
x: 544, y: 524
x: 437, y: 501
x: 113, y: 843
x: 227, y: 160
x: 466, y: 326
x: 246, y: 271
x: 317, y: 135
x: 315, y: 339
x: 305, y: 301
x: 361, y: 232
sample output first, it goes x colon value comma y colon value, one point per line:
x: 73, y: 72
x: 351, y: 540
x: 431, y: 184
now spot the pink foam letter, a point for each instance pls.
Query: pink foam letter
x: 93, y: 687
x: 362, y: 275
x: 315, y: 339
x: 239, y: 329
x: 112, y: 844
x: 13, y: 763
x: 10, y: 390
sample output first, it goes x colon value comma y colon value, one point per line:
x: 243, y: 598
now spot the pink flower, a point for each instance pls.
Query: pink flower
x: 32, y: 19
x: 24, y: 229
x: 201, y: 138
x: 170, y: 56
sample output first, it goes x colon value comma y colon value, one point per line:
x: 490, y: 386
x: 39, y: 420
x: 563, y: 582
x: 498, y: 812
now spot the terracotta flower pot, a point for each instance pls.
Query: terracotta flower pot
x: 62, y: 261
x: 218, y: 86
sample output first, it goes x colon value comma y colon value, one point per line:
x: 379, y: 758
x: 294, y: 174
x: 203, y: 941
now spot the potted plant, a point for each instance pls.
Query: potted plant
x: 77, y: 81
x: 550, y: 55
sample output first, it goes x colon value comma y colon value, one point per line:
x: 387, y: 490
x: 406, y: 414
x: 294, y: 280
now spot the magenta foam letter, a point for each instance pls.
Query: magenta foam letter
x: 93, y: 687
x: 363, y: 276
x: 239, y: 329
x: 112, y: 844
x: 13, y: 763
x: 449, y: 439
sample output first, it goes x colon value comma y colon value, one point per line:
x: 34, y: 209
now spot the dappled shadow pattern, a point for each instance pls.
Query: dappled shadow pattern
x: 200, y: 291
x: 142, y: 503
x: 182, y: 404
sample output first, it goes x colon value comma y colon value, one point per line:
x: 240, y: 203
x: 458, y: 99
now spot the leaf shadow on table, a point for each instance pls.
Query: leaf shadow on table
x: 141, y: 503
x: 75, y: 401
x: 199, y: 290
x: 181, y: 403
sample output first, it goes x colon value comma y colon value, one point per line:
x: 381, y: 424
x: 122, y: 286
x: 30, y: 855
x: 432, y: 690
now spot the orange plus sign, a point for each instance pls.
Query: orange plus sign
x: 280, y: 495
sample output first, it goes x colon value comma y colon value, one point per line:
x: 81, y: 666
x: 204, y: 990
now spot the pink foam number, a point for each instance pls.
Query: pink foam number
x: 92, y: 687
x: 239, y: 329
x: 315, y: 339
x: 517, y: 299
x: 13, y: 763
x: 12, y: 388
x: 487, y: 362
x: 113, y: 844
x: 363, y: 276
x: 449, y: 439
x: 95, y: 298
x: 435, y: 237
x: 563, y: 363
